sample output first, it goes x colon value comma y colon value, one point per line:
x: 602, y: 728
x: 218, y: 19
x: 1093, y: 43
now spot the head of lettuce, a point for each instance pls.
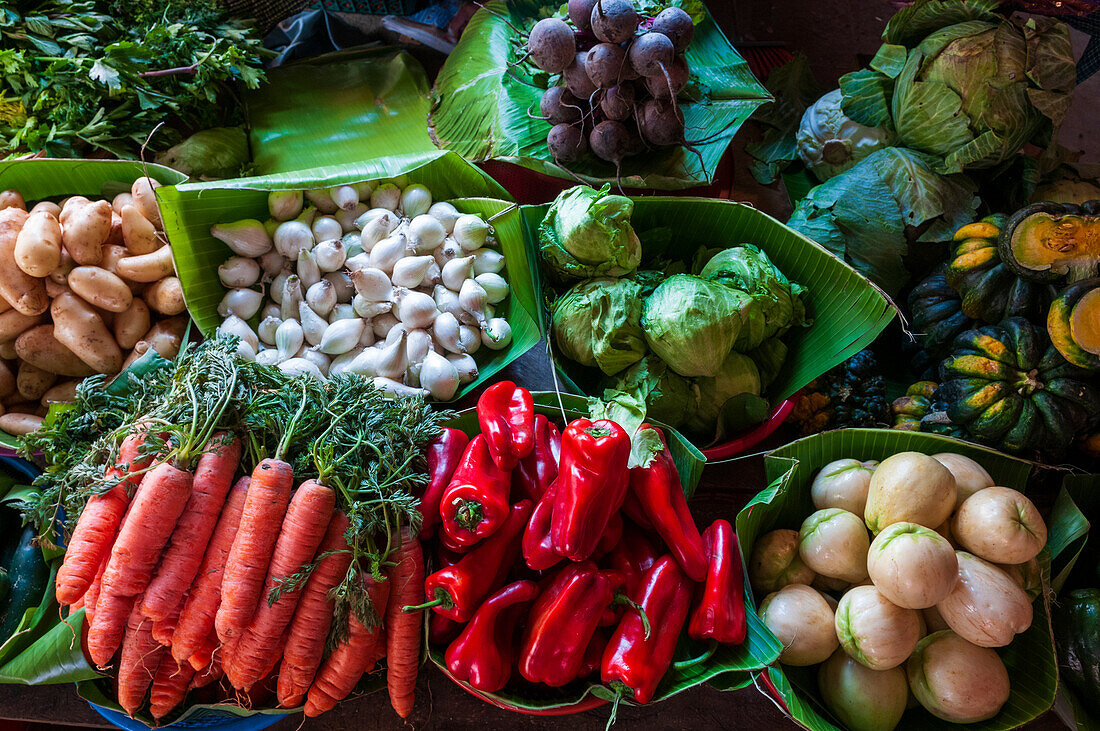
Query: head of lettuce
x: 587, y: 233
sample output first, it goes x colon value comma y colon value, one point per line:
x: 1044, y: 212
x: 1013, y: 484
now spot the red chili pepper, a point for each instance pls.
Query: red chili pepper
x: 537, y: 471
x: 538, y: 549
x: 442, y: 630
x: 506, y: 414
x: 445, y: 543
x: 661, y: 496
x: 720, y: 610
x: 592, y: 482
x: 612, y: 534
x: 456, y: 591
x: 562, y: 621
x: 475, y: 504
x: 593, y: 654
x: 633, y: 661
x: 633, y: 557
x: 483, y: 655
x: 444, y: 455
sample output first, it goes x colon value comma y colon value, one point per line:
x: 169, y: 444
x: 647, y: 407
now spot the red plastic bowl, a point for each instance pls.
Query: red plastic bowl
x: 585, y: 704
x: 754, y: 436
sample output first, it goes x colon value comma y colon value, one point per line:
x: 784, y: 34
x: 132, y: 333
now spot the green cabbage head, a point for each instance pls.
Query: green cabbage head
x: 598, y: 323
x: 587, y: 233
x: 737, y: 375
x: 668, y: 397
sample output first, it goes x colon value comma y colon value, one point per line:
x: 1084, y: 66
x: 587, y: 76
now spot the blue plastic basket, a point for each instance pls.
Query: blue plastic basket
x: 202, y: 718
x: 19, y: 467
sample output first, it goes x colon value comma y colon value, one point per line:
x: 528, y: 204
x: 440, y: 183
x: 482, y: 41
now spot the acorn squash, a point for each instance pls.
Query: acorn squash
x: 1044, y: 242
x: 989, y: 288
x: 909, y: 409
x: 1073, y: 323
x: 1007, y: 386
x: 937, y: 316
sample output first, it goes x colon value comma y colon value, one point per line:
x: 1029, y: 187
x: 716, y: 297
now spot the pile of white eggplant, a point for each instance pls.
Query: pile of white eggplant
x: 369, y: 279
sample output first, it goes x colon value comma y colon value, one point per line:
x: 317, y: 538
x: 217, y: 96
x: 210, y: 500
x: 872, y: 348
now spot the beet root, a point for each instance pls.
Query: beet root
x: 604, y: 63
x: 610, y: 141
x: 664, y: 87
x: 651, y: 53
x: 661, y: 122
x: 576, y: 77
x: 566, y: 143
x: 580, y: 12
x: 618, y: 101
x: 552, y: 45
x: 676, y: 25
x: 559, y: 106
x: 614, y: 21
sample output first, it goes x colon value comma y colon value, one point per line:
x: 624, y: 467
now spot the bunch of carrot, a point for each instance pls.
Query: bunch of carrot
x: 191, y: 575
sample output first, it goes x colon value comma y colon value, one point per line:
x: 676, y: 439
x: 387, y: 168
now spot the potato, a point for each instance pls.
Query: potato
x: 146, y: 199
x: 120, y: 201
x: 912, y: 566
x: 165, y: 296
x: 148, y: 267
x: 166, y: 337
x: 61, y: 274
x: 909, y: 487
x: 100, y: 288
x: 834, y: 543
x: 7, y: 381
x: 19, y: 423
x: 876, y: 632
x: 25, y: 293
x: 62, y: 393
x: 115, y: 237
x: 40, y: 348
x: 140, y: 235
x: 775, y: 562
x: 969, y: 475
x: 86, y: 231
x: 4, y: 305
x: 986, y: 606
x: 70, y: 206
x: 130, y: 325
x: 1000, y: 525
x: 38, y: 246
x: 79, y: 328
x: 802, y: 621
x: 48, y: 206
x: 12, y: 199
x: 843, y: 484
x: 32, y: 383
x: 956, y: 680
x: 863, y: 699
x: 14, y: 323
x: 7, y: 350
x: 53, y: 289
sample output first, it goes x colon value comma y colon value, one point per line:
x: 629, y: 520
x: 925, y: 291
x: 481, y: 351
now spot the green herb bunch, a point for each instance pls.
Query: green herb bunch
x: 80, y: 76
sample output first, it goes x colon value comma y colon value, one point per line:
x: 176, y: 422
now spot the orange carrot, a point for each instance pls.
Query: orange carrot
x: 208, y: 674
x: 180, y: 563
x: 91, y: 596
x: 98, y: 525
x: 403, y: 630
x: 305, y: 644
x: 156, y: 507
x: 303, y: 529
x: 170, y: 685
x: 196, y: 622
x: 246, y: 566
x: 205, y: 654
x: 164, y: 629
x: 137, y: 665
x: 342, y: 669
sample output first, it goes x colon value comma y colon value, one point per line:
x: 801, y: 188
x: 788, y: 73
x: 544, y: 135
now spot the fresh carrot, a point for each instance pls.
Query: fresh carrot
x: 206, y: 676
x: 141, y: 654
x: 403, y: 630
x: 342, y: 669
x: 164, y: 629
x: 180, y: 563
x: 91, y: 540
x: 303, y: 529
x: 305, y: 644
x: 91, y: 596
x: 246, y: 565
x: 205, y: 654
x: 196, y: 622
x: 170, y: 685
x: 157, y: 505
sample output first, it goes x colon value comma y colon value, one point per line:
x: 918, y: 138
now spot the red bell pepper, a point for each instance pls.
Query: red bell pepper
x: 538, y: 550
x: 633, y: 510
x: 483, y: 655
x: 593, y: 654
x: 719, y: 613
x: 592, y: 482
x: 456, y: 591
x: 537, y: 471
x: 661, y: 496
x: 475, y: 504
x: 506, y: 414
x: 633, y: 557
x: 634, y: 662
x: 442, y: 630
x: 612, y: 534
x: 562, y: 621
x: 444, y: 455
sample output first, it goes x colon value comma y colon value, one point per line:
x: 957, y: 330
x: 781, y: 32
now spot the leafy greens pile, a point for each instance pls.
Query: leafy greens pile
x: 78, y: 76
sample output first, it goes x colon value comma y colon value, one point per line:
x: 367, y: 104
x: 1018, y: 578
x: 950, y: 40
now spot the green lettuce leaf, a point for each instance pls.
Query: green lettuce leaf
x: 598, y: 323
x: 587, y: 233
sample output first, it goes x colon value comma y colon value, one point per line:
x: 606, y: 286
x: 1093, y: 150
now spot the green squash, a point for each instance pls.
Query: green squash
x: 909, y: 409
x: 937, y: 316
x: 1073, y: 323
x: 1045, y: 242
x: 1077, y: 639
x: 30, y: 578
x: 989, y: 288
x: 1007, y: 386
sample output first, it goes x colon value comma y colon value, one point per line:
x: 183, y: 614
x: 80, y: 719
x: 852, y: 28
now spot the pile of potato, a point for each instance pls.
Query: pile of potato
x: 86, y: 286
x: 934, y: 566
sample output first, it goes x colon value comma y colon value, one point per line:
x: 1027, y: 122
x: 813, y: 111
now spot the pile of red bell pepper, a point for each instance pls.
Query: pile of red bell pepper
x: 558, y: 561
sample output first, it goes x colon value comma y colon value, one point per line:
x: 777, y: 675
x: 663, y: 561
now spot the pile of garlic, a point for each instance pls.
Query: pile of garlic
x: 369, y: 279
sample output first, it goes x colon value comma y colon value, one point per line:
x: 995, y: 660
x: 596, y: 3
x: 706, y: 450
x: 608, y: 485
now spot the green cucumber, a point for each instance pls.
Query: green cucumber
x: 30, y: 578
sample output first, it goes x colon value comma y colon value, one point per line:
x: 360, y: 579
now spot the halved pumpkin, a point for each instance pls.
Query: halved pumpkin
x: 1047, y: 241
x: 1074, y: 323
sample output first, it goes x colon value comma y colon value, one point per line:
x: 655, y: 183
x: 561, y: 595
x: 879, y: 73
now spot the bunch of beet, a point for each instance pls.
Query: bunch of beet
x: 618, y: 79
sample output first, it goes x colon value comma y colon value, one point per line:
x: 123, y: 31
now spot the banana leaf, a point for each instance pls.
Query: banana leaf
x: 190, y: 210
x: 1030, y: 659
x: 485, y: 103
x: 729, y: 667
x: 848, y: 312
x: 48, y: 178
